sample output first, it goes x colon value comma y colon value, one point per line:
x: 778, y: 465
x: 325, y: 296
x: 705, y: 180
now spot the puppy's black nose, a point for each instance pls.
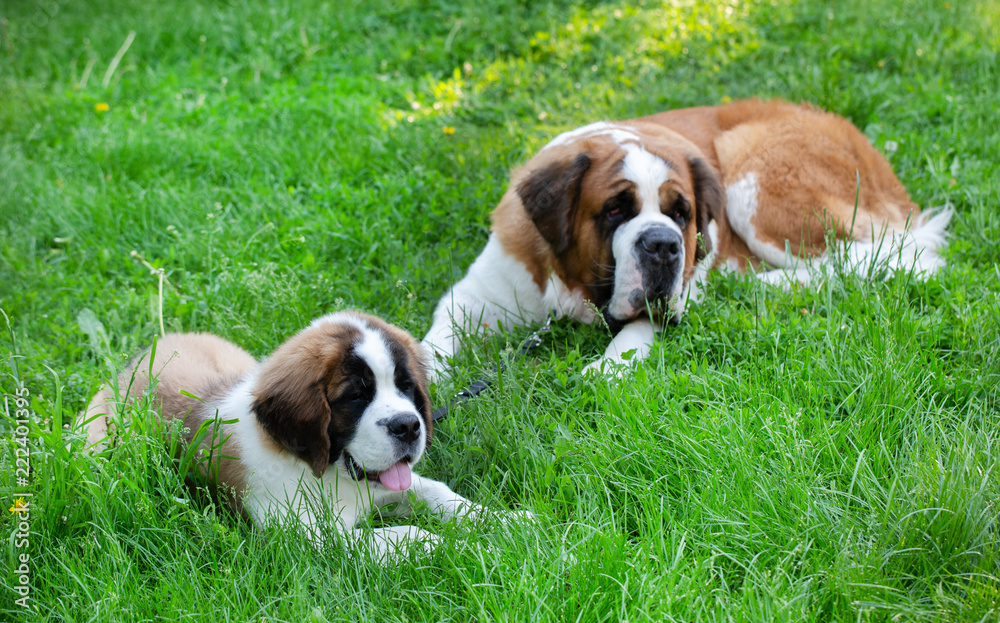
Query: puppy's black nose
x: 404, y: 426
x: 660, y: 244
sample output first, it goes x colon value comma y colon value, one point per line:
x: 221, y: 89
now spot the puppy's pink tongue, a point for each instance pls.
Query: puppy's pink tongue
x: 397, y: 477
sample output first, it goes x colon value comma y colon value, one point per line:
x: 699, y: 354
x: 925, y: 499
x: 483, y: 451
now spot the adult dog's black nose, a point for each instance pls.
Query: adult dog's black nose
x: 660, y: 244
x: 404, y: 426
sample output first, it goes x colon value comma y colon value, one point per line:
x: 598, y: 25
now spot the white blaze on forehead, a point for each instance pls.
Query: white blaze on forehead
x: 375, y: 352
x: 618, y: 133
x: 344, y: 317
x: 648, y: 173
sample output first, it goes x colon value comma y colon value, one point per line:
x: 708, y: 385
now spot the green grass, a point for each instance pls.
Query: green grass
x: 826, y: 454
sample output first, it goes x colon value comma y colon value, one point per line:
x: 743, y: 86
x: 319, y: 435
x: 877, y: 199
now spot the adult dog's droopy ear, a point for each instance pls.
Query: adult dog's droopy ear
x: 551, y: 195
x: 710, y: 201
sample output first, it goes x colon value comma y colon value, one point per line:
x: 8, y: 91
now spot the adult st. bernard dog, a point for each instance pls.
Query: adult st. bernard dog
x: 334, y: 419
x: 628, y: 217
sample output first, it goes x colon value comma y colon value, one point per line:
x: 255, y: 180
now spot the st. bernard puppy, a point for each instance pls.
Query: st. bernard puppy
x: 333, y: 420
x: 625, y: 218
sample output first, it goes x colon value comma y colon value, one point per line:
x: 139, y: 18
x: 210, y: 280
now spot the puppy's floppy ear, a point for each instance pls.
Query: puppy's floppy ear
x: 710, y: 199
x: 551, y: 195
x: 294, y: 411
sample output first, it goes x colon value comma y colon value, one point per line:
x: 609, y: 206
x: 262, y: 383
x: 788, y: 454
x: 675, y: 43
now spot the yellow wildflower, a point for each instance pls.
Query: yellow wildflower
x: 448, y: 129
x: 101, y: 107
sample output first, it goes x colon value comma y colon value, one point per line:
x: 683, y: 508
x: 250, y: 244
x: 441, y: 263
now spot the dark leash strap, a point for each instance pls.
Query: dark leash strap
x: 532, y: 342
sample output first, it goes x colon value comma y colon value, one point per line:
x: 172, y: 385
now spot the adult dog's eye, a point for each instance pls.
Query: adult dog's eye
x: 617, y: 209
x: 680, y: 211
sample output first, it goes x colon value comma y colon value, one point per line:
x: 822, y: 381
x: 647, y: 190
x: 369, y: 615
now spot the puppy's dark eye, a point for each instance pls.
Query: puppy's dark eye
x: 357, y: 390
x: 358, y: 385
x: 405, y: 386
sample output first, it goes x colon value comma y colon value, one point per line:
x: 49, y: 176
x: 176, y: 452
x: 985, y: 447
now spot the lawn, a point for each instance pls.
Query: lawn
x: 828, y: 453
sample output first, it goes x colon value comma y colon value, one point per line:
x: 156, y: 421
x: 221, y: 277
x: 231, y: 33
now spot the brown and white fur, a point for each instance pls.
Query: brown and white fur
x: 628, y: 217
x: 334, y: 419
